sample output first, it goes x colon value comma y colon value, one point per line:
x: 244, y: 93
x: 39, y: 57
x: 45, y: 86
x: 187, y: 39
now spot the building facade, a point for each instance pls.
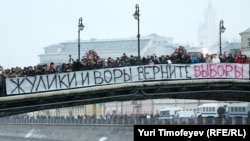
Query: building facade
x: 149, y: 45
x: 245, y: 42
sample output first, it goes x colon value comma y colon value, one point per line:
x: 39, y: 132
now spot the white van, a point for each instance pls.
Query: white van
x: 169, y: 112
x: 186, y: 114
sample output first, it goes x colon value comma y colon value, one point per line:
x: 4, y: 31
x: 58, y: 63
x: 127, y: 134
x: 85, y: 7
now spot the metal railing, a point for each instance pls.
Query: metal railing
x: 128, y: 121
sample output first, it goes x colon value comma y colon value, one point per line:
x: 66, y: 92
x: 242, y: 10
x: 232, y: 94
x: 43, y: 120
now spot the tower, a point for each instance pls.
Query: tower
x: 208, y: 30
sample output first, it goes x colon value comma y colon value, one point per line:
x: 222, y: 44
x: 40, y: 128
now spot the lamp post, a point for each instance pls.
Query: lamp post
x: 222, y: 30
x: 80, y: 28
x: 136, y: 16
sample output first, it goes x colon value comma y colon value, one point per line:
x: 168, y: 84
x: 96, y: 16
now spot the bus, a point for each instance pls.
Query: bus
x: 213, y: 109
x: 239, y: 110
x: 169, y: 112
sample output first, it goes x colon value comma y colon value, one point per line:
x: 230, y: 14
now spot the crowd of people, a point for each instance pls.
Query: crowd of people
x: 92, y: 60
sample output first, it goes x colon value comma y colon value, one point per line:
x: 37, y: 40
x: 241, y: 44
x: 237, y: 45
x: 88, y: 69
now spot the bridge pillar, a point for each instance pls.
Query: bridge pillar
x: 213, y: 121
x: 135, y: 120
x: 142, y: 121
x: 178, y: 121
x: 244, y: 121
x: 187, y: 121
x: 163, y: 121
x: 171, y: 121
x: 196, y: 121
x: 156, y: 121
x: 234, y: 121
x: 223, y: 121
x: 204, y: 121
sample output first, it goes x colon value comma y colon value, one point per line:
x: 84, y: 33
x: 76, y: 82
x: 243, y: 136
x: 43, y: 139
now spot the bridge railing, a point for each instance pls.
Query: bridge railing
x: 129, y: 121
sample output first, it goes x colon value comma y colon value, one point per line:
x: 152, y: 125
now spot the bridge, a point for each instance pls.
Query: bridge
x: 202, y: 89
x: 131, y: 86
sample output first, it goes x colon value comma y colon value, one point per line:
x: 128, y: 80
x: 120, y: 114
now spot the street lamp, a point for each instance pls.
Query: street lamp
x: 80, y: 28
x: 136, y: 16
x: 222, y: 30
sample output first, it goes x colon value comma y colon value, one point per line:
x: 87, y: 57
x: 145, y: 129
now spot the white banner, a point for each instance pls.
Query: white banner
x: 79, y: 79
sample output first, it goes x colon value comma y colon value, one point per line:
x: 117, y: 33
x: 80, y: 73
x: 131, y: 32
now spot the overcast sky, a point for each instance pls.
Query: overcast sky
x: 27, y: 26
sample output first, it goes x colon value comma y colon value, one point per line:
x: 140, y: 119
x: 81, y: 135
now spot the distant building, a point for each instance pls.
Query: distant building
x: 245, y: 42
x: 208, y: 30
x: 149, y: 45
x: 233, y: 48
